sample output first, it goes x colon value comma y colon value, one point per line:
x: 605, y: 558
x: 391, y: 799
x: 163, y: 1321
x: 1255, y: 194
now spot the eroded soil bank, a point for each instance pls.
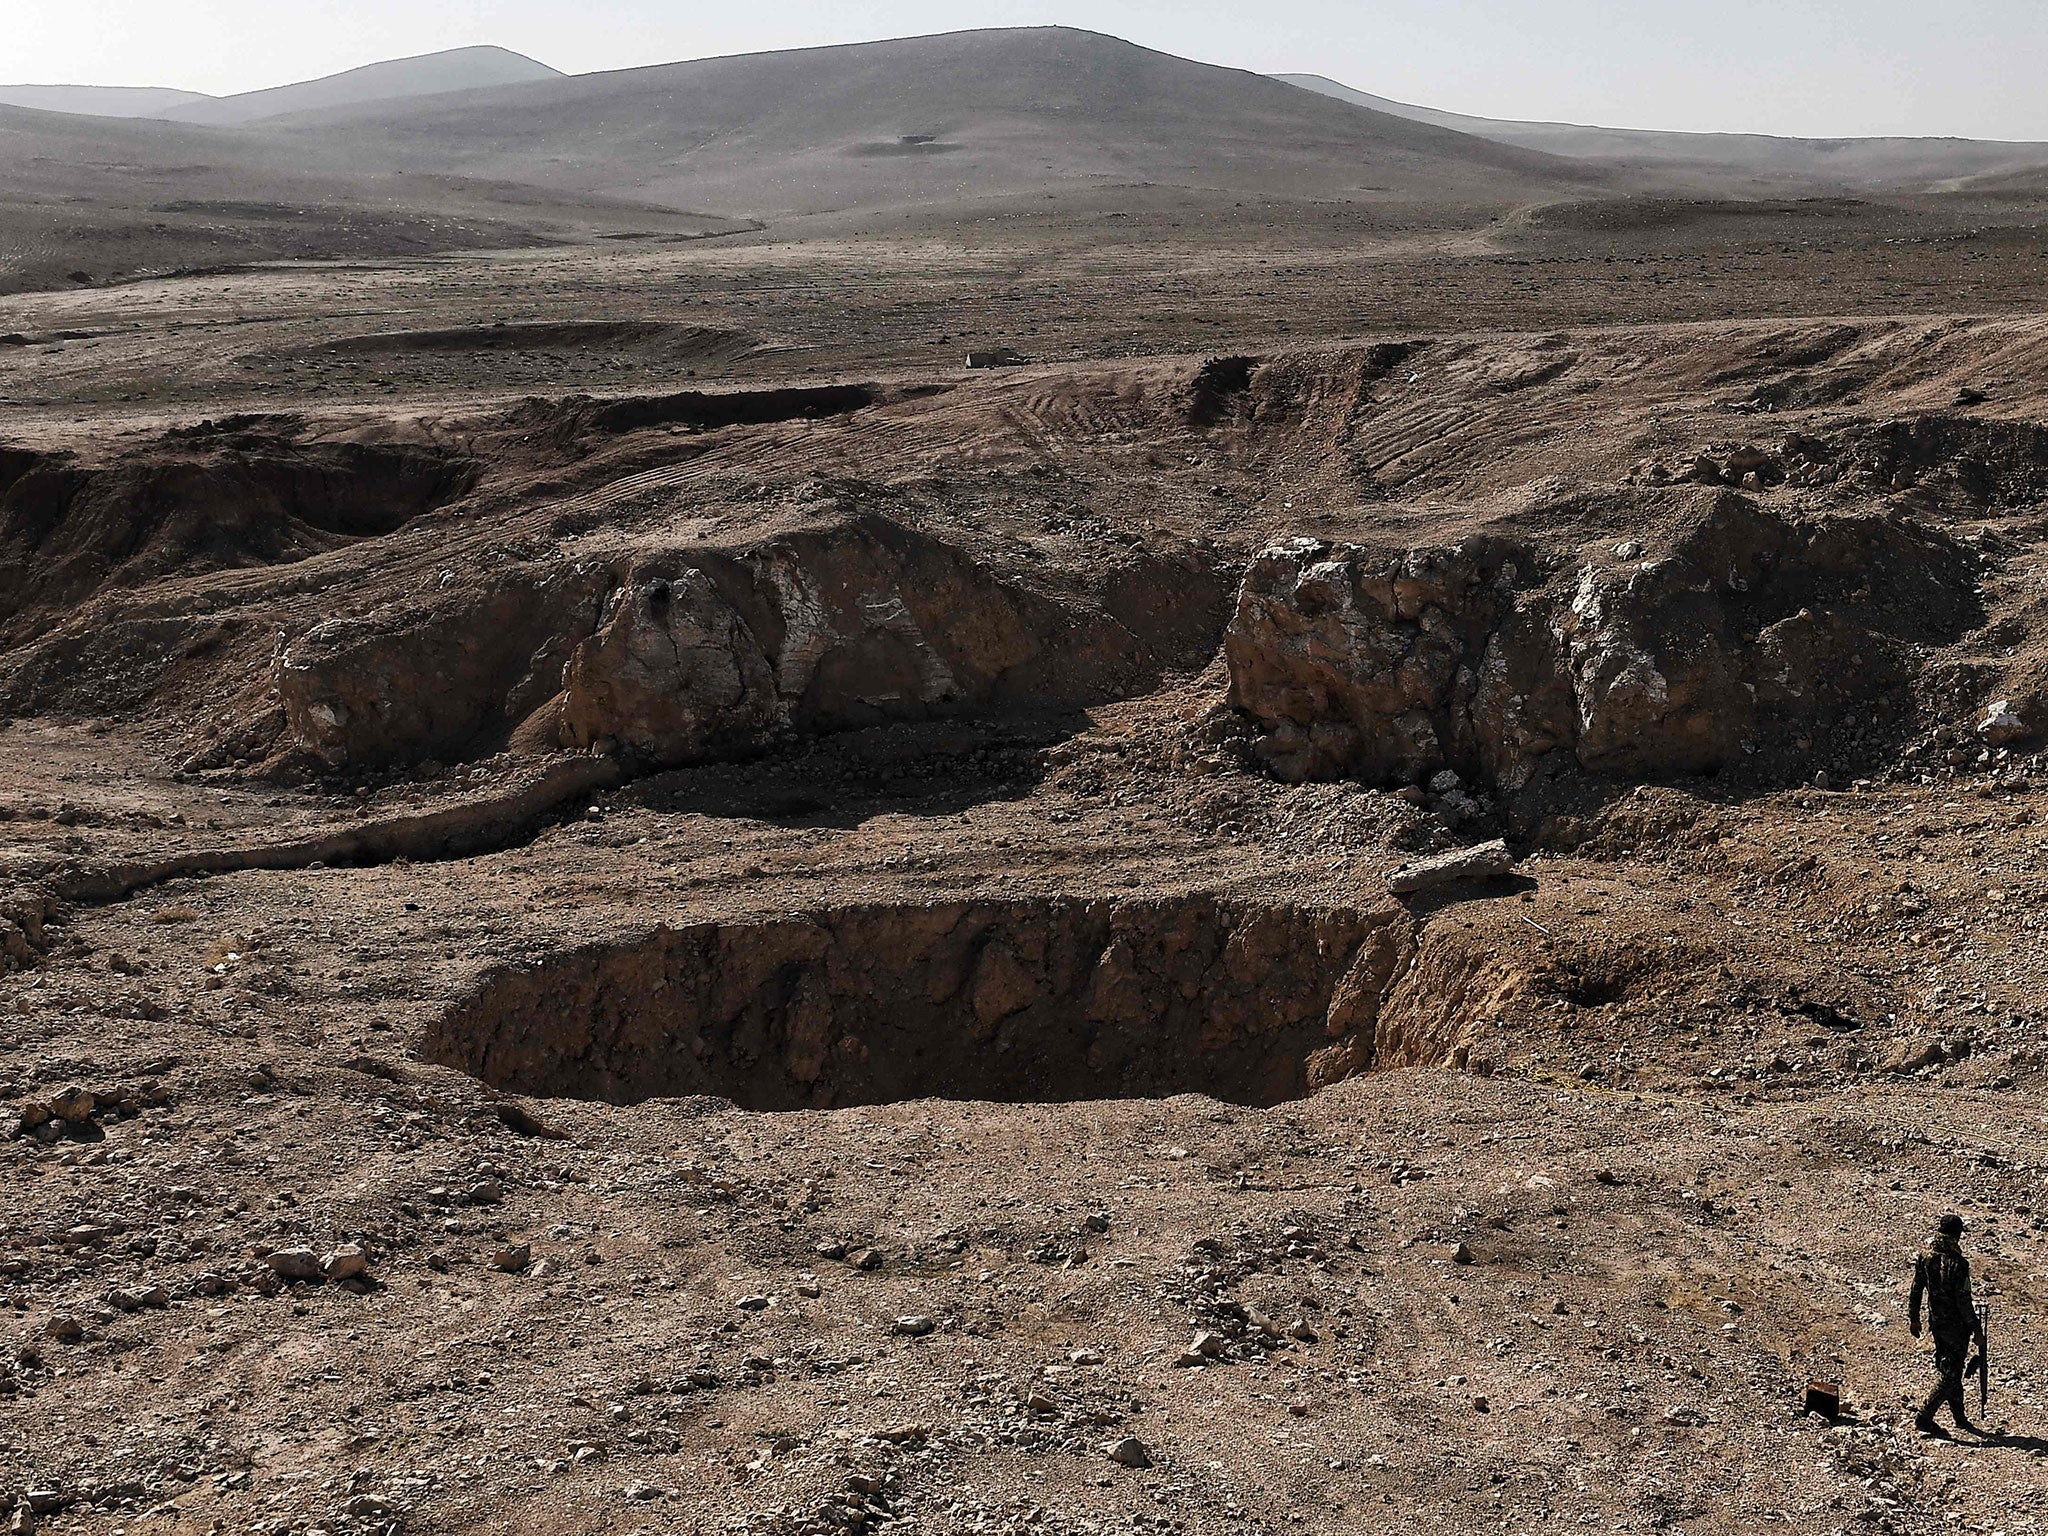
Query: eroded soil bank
x: 1022, y: 1002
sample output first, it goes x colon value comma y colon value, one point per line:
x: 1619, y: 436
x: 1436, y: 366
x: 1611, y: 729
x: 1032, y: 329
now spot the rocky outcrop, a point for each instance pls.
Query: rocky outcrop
x: 1666, y: 656
x: 451, y: 671
x: 673, y: 671
x: 676, y: 656
x: 1033, y: 1000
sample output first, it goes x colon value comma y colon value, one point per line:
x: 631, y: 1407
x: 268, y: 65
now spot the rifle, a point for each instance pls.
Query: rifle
x: 1982, y: 1364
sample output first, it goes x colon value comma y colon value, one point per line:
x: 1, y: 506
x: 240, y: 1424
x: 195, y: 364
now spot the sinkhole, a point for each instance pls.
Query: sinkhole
x: 1020, y: 1001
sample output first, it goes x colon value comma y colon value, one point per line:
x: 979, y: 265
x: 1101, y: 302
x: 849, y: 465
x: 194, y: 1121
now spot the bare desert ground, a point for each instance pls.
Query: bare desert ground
x: 833, y: 869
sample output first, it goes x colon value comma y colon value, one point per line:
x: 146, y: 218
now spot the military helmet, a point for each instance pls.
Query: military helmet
x: 1950, y: 1225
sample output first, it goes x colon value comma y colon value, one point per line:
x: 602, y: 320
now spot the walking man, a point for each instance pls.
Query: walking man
x: 1942, y: 1275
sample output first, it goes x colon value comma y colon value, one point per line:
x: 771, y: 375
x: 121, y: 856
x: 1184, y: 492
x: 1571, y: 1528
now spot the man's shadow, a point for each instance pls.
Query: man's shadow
x: 2001, y: 1440
x: 1979, y: 1438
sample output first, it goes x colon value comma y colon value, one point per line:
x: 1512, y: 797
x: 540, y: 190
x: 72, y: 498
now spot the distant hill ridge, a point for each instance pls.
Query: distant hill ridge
x: 456, y: 69
x: 973, y: 113
x: 921, y: 120
x: 99, y: 100
x: 1855, y: 162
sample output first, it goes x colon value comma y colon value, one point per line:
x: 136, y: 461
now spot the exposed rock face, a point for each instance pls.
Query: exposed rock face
x: 1032, y: 1000
x: 677, y: 656
x: 435, y: 677
x: 672, y: 671
x: 1494, y: 657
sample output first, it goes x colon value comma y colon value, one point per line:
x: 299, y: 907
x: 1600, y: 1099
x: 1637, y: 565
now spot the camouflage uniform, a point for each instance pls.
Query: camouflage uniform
x: 1942, y: 1276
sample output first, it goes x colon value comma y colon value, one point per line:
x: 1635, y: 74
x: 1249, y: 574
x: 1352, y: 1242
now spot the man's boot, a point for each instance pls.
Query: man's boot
x: 1925, y: 1422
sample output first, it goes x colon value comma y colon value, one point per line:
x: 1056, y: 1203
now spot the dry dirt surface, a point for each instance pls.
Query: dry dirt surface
x: 630, y: 900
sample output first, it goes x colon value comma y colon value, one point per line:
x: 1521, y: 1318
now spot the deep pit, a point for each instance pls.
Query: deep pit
x: 1032, y: 1001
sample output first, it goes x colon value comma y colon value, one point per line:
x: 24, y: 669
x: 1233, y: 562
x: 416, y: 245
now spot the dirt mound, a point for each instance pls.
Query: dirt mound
x: 1500, y: 660
x: 677, y: 655
x: 1663, y: 215
x: 637, y: 337
x: 1965, y: 460
x: 1027, y: 1001
x: 571, y: 420
x: 196, y: 502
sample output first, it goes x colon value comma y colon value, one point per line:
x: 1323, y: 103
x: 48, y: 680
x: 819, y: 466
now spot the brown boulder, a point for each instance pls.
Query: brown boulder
x: 1461, y: 866
x: 671, y: 672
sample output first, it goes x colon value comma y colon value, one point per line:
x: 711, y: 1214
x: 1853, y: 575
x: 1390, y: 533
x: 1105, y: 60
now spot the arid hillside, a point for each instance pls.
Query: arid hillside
x: 432, y: 74
x: 94, y: 200
x: 931, y: 119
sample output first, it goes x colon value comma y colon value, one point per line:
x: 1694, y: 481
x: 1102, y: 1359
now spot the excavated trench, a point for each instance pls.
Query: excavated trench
x: 224, y: 496
x: 1026, y: 1001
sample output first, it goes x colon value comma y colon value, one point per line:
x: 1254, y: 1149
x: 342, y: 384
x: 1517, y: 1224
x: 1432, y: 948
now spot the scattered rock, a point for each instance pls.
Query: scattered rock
x: 2002, y: 724
x: 73, y: 1105
x: 1129, y: 1451
x: 1210, y: 1344
x: 513, y: 1258
x: 1911, y: 1054
x: 295, y: 1264
x: 1461, y: 866
x: 348, y: 1262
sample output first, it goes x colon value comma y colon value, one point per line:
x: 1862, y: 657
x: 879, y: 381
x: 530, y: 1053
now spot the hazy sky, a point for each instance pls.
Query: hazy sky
x: 1812, y: 67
